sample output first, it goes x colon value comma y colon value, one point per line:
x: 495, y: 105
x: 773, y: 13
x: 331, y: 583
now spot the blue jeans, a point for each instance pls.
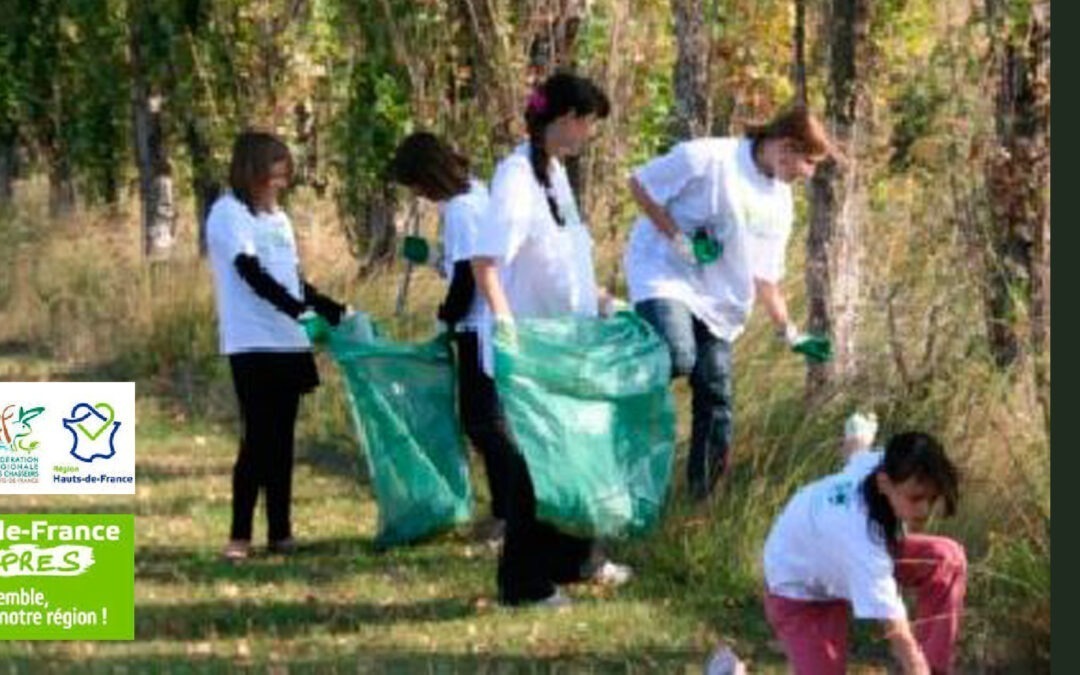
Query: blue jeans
x: 706, y: 359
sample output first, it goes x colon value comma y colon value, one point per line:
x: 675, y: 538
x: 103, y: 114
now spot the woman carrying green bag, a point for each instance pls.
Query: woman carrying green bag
x: 533, y: 259
x: 260, y: 296
x: 432, y: 170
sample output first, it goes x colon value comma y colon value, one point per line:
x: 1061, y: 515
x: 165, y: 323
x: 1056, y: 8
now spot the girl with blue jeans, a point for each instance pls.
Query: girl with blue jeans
x: 717, y: 215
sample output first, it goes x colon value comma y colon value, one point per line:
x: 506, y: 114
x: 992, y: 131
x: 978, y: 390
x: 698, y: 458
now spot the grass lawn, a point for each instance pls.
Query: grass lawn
x: 338, y: 605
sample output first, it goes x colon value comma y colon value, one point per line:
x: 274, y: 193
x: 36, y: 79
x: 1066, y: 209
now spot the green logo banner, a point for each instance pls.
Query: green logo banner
x: 67, y: 577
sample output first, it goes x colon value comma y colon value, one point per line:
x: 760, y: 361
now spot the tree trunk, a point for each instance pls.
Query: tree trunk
x: 203, y: 183
x: 151, y: 156
x: 381, y: 229
x: 8, y: 169
x: 834, y: 268
x: 499, y: 96
x: 1018, y: 177
x: 61, y: 186
x: 307, y: 140
x: 692, y: 113
x: 798, y: 74
x: 155, y: 179
x: 1040, y: 255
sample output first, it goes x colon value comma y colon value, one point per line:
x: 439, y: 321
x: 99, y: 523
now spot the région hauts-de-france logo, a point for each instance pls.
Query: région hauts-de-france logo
x: 15, y: 428
x: 93, y: 431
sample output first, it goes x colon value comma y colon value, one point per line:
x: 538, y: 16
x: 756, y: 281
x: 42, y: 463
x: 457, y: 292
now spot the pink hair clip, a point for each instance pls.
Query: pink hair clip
x: 537, y: 102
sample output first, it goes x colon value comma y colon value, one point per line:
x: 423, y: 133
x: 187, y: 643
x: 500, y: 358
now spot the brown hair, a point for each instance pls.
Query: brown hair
x: 423, y: 162
x: 797, y: 125
x: 253, y: 158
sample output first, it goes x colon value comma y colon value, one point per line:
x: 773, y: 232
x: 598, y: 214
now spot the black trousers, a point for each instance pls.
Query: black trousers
x: 268, y: 386
x: 535, y: 556
x: 477, y: 399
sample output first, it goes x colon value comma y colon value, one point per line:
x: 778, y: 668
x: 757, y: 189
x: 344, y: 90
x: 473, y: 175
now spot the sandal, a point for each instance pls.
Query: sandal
x: 282, y: 546
x: 236, y: 550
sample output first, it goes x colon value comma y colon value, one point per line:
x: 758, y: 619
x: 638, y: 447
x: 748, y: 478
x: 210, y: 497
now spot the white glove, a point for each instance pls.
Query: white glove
x: 506, y: 330
x: 610, y: 306
x: 356, y: 326
x: 438, y: 261
x: 860, y: 430
x: 791, y: 335
x: 724, y: 662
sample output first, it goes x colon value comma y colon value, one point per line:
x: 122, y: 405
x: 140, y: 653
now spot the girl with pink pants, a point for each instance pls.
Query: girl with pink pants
x: 841, y: 547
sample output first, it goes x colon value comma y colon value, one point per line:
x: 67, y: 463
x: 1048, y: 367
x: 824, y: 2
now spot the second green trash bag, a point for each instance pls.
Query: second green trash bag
x: 402, y: 403
x: 590, y: 407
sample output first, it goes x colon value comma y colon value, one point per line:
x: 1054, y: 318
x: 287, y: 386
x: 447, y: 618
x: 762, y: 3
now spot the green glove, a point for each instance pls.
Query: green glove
x: 416, y: 250
x: 816, y: 348
x: 706, y: 249
x: 317, y: 328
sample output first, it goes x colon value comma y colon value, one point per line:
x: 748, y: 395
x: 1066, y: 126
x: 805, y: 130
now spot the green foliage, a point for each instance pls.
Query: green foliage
x: 10, y: 83
x: 376, y: 114
x: 376, y: 118
x: 653, y: 119
x: 98, y: 136
x: 915, y: 112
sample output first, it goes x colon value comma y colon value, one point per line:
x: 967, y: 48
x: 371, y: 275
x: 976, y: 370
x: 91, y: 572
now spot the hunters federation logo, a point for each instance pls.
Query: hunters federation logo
x: 15, y: 429
x: 93, y: 429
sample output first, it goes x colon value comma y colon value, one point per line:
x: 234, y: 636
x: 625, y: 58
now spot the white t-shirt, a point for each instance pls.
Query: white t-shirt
x: 711, y: 183
x: 461, y: 222
x: 546, y: 269
x: 246, y: 322
x: 822, y: 546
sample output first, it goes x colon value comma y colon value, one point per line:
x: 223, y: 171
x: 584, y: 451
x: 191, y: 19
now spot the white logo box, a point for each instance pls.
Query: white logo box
x: 67, y: 438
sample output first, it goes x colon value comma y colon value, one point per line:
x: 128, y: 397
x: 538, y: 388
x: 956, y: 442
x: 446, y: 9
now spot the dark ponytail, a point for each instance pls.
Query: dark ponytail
x: 909, y: 455
x: 558, y: 95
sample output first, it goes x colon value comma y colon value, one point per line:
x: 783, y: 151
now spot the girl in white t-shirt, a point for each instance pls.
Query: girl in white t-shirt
x: 717, y: 216
x: 434, y: 171
x: 533, y: 258
x: 842, y: 545
x: 260, y: 294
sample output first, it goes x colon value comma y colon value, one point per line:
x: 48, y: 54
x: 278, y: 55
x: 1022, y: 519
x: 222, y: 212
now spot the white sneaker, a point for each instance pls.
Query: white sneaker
x: 612, y: 574
x: 555, y: 601
x: 724, y: 662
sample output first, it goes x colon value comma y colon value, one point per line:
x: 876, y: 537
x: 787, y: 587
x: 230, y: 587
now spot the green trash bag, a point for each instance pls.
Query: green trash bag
x: 589, y: 404
x: 402, y: 403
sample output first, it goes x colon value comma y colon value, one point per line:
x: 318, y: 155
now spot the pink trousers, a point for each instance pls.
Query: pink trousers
x: 814, y: 633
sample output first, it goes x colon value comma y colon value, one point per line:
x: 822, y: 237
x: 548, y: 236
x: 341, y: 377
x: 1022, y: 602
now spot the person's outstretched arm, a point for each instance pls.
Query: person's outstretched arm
x: 266, y: 286
x: 905, y: 648
x: 772, y: 298
x: 270, y: 289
